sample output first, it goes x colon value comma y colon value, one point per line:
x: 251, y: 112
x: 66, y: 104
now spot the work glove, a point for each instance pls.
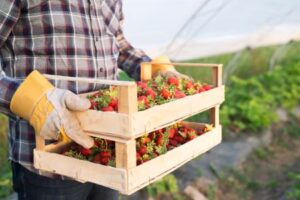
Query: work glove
x: 48, y: 110
x: 165, y: 70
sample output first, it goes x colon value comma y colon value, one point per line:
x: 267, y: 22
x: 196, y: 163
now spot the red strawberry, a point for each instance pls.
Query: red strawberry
x: 97, y: 159
x: 107, y: 109
x: 200, y: 133
x: 207, y: 87
x: 94, y: 105
x: 189, y: 85
x: 104, y: 161
x: 142, y: 85
x: 173, y: 142
x: 178, y: 94
x: 172, y: 132
x: 143, y: 99
x: 165, y: 93
x: 178, y: 139
x: 105, y: 154
x: 143, y: 150
x: 113, y: 103
x: 139, y: 161
x: 159, y: 140
x: 85, y: 152
x: 201, y: 90
x: 138, y: 156
x: 173, y: 81
x: 150, y: 92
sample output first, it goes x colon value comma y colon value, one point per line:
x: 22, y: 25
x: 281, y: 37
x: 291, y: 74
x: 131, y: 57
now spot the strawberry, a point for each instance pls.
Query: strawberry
x: 107, y: 109
x: 138, y: 155
x: 173, y: 81
x: 150, y: 92
x: 105, y: 154
x: 172, y: 132
x: 189, y: 85
x: 142, y: 85
x: 113, y: 103
x: 159, y: 140
x: 178, y: 94
x: 173, y: 142
x: 178, y: 139
x: 97, y: 159
x: 94, y: 105
x: 207, y: 87
x: 85, y: 152
x: 201, y: 90
x: 143, y: 99
x: 165, y: 93
x: 143, y: 150
x: 200, y: 133
x: 139, y: 161
x: 104, y: 160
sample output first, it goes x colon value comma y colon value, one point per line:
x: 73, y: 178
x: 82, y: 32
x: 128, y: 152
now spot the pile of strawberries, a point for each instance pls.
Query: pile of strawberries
x: 102, y: 152
x: 148, y: 146
x: 157, y: 91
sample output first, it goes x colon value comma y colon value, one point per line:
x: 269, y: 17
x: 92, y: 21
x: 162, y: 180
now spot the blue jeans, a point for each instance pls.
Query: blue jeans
x: 31, y: 186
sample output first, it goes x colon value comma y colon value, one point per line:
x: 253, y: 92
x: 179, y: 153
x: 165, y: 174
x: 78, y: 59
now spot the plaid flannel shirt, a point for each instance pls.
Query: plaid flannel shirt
x: 81, y: 38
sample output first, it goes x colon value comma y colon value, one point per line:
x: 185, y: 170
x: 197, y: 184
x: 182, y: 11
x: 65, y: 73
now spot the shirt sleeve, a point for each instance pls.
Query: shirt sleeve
x: 9, y: 13
x: 130, y: 58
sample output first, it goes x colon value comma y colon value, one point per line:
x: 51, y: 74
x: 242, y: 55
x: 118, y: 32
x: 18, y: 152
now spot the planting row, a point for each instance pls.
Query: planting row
x: 148, y: 146
x: 157, y: 91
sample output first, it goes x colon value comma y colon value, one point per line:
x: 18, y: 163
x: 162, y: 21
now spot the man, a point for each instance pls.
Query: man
x: 78, y: 38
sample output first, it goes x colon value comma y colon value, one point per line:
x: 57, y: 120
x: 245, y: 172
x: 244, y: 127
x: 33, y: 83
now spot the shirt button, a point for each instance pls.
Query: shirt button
x: 101, y: 69
x: 97, y: 39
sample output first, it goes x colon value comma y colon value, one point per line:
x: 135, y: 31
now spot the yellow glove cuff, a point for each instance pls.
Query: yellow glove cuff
x: 29, y: 94
x: 157, y: 67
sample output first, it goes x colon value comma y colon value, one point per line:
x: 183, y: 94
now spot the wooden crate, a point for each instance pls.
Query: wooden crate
x: 130, y: 179
x: 127, y: 125
x: 131, y: 123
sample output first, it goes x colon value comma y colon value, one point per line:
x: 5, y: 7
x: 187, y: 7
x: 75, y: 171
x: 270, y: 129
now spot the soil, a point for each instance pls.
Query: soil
x: 264, y: 175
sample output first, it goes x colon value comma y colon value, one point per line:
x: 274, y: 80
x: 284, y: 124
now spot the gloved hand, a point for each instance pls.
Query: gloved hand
x: 48, y: 109
x: 165, y: 70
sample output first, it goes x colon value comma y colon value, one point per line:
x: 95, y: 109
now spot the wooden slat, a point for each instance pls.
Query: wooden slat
x: 81, y: 170
x: 217, y: 75
x: 152, y: 170
x: 159, y: 116
x: 105, y: 122
x: 127, y: 96
x: 90, y: 80
x: 126, y: 154
x: 214, y: 115
x: 146, y: 71
x: 187, y: 64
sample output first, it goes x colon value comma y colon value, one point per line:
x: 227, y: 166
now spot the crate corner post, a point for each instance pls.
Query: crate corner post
x: 125, y: 151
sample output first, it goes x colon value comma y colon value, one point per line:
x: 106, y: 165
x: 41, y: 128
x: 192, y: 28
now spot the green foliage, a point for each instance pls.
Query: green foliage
x: 5, y: 172
x: 294, y: 192
x: 248, y: 107
x: 251, y: 103
x: 167, y: 184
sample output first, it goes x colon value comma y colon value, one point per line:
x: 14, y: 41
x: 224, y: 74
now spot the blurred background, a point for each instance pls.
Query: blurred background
x: 257, y: 41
